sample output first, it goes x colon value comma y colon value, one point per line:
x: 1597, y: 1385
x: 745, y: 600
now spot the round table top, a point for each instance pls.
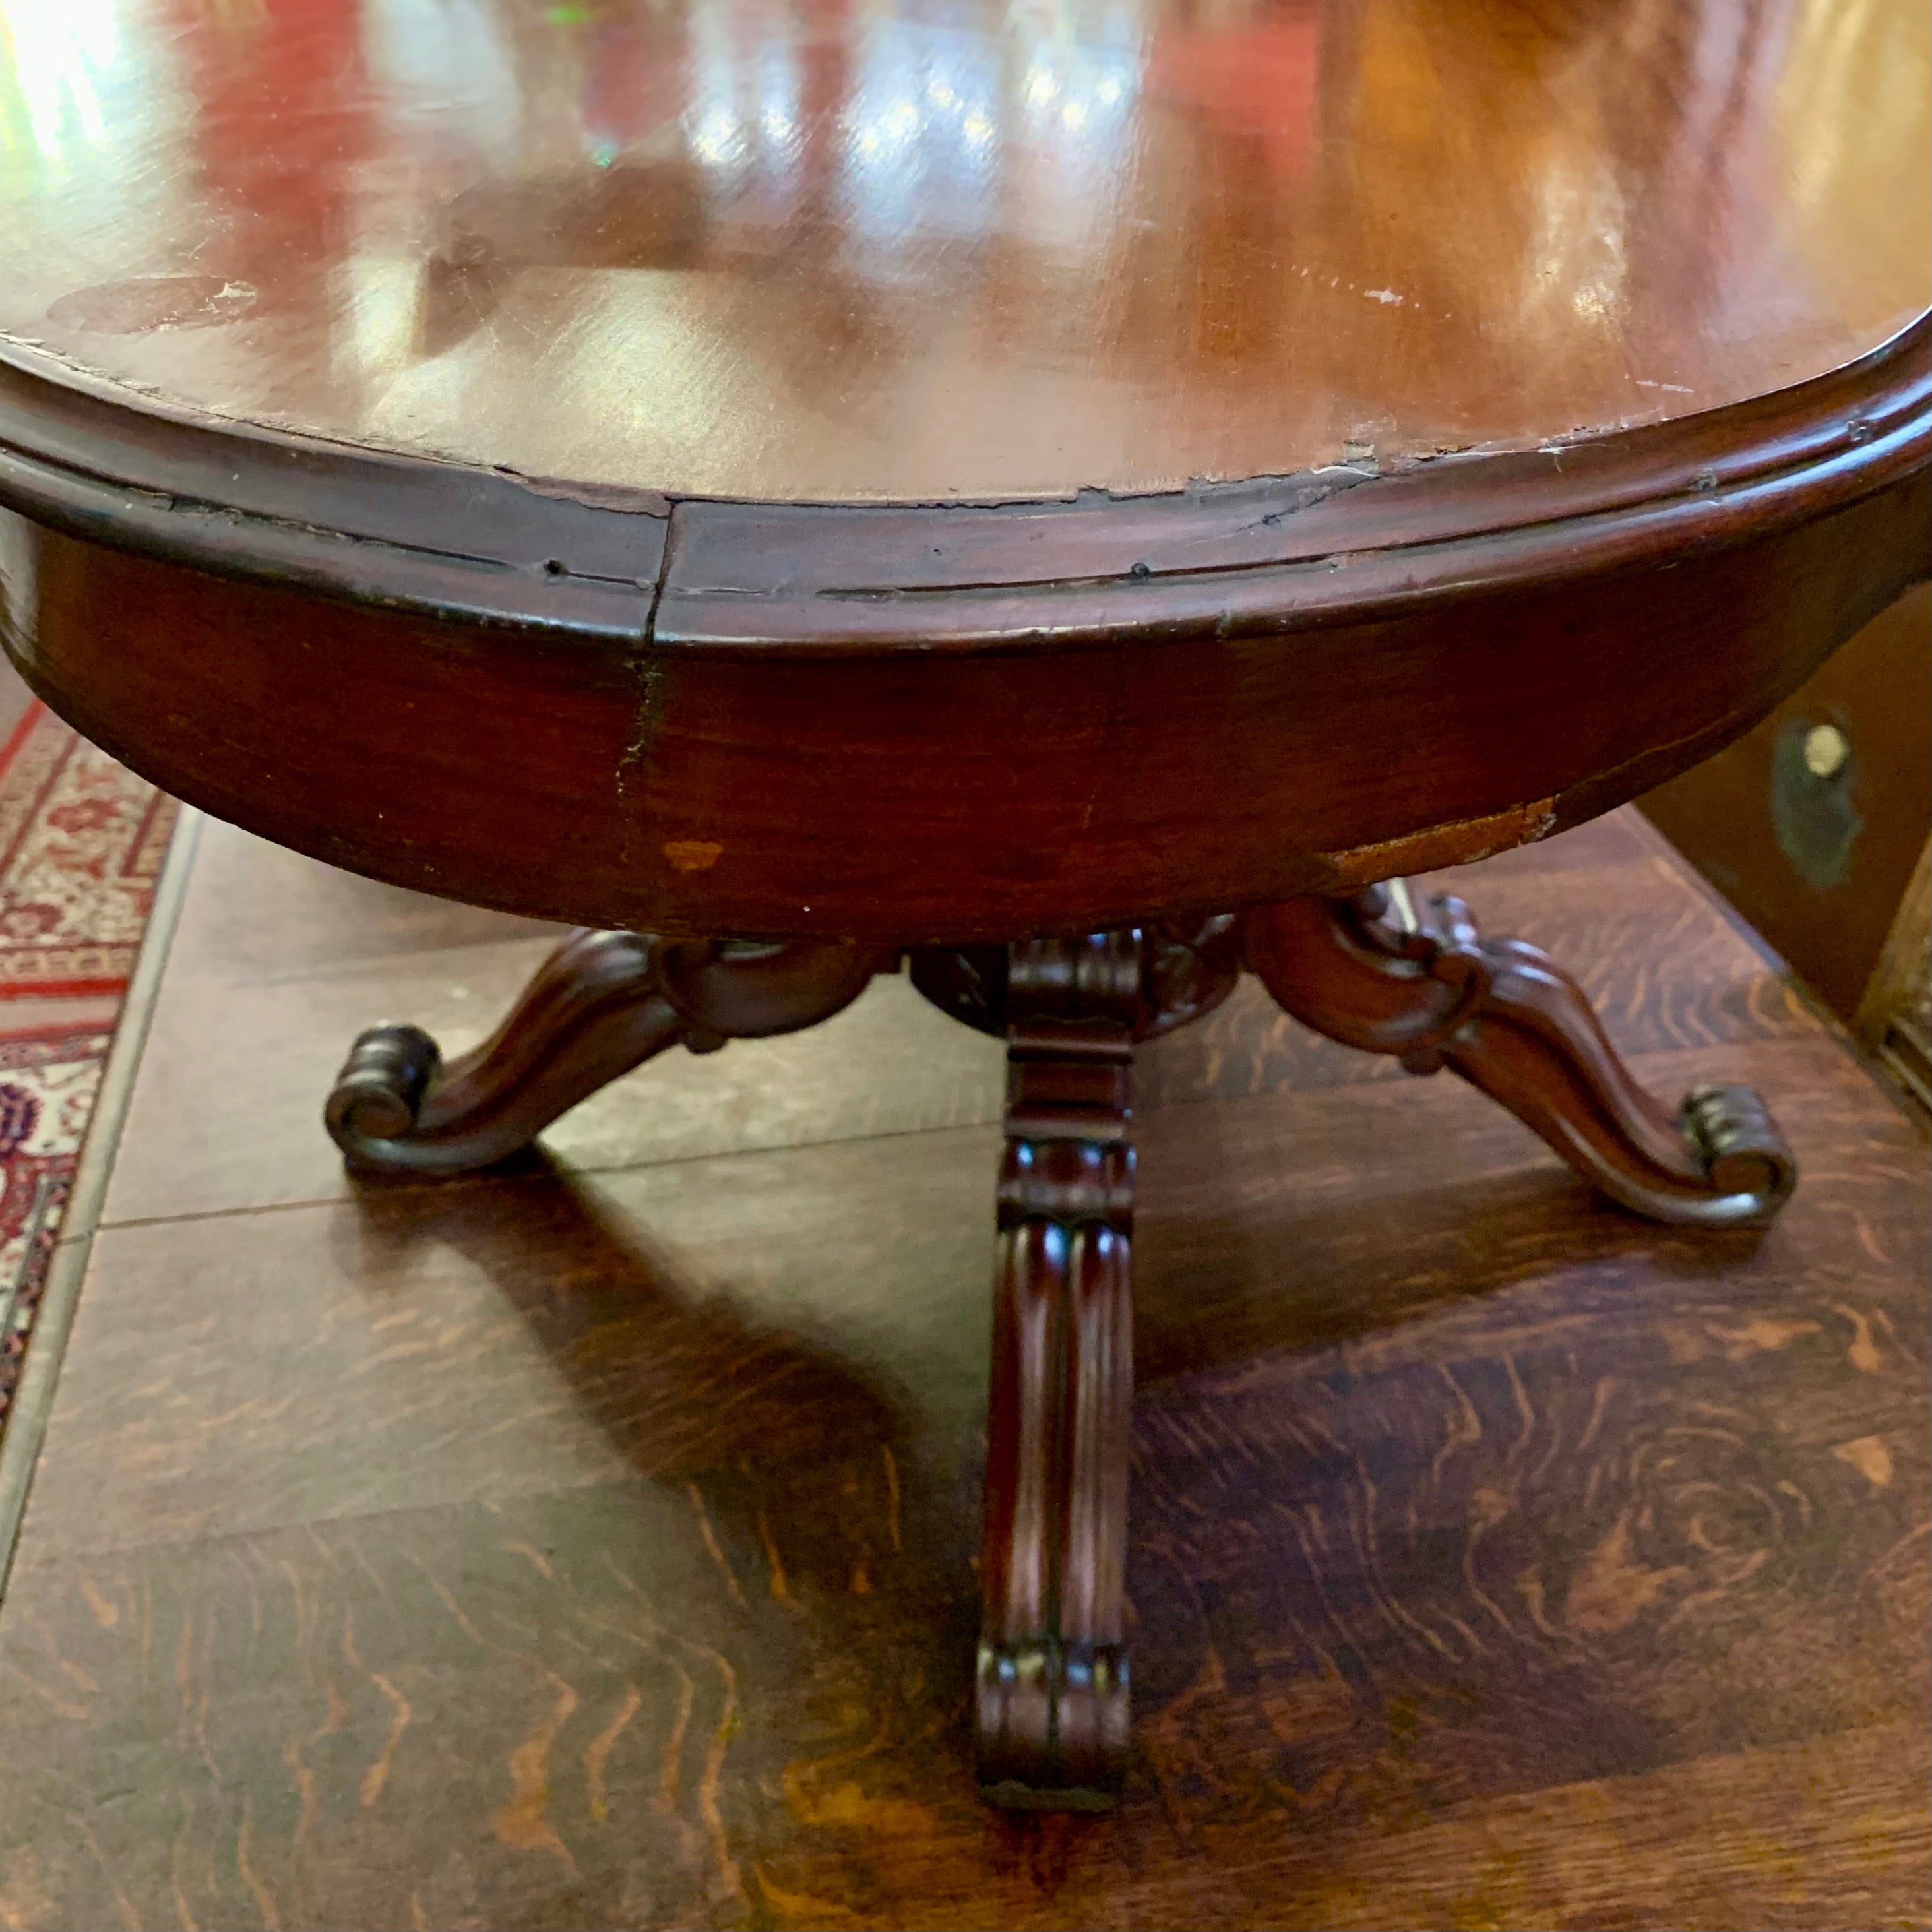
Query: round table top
x: 924, y: 249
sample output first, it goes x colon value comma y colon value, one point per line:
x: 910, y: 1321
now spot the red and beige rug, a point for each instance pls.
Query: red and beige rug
x: 81, y: 840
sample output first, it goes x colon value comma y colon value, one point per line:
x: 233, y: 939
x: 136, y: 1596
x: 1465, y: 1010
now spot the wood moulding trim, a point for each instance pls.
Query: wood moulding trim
x: 111, y: 467
x: 1279, y: 553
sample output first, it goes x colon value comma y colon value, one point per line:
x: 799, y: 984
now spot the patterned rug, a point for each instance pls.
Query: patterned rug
x: 81, y: 845
x: 81, y: 841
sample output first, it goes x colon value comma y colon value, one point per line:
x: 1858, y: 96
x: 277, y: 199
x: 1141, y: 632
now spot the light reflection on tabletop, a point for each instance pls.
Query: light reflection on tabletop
x: 795, y: 248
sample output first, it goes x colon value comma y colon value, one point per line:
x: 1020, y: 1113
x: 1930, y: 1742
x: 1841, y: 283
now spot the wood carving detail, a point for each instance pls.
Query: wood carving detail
x: 1051, y: 1693
x: 1051, y: 1696
x: 1378, y: 973
x: 1051, y: 1688
x: 1186, y: 971
x: 601, y: 1004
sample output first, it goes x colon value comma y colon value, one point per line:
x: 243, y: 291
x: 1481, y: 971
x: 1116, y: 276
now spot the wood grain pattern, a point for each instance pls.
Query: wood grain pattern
x: 1499, y: 1559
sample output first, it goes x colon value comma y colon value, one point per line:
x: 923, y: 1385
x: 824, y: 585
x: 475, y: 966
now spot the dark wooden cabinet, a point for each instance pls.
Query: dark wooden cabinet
x: 1815, y: 827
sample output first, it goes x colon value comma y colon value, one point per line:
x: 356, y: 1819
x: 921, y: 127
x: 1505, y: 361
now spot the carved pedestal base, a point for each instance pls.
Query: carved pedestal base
x: 1376, y: 972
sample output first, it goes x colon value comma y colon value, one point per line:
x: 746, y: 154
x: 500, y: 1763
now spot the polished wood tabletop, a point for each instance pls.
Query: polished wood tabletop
x: 924, y: 470
x: 930, y: 249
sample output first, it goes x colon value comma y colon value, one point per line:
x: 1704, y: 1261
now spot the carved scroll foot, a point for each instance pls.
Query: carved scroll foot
x: 1379, y: 973
x: 602, y: 1004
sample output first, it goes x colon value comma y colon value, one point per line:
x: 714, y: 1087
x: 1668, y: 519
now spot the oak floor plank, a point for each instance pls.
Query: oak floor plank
x: 1624, y: 1509
x: 593, y: 1545
x: 247, y: 1051
x: 417, y: 1333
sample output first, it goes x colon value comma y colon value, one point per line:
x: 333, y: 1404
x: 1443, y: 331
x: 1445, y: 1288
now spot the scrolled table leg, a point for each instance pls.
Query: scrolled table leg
x: 1382, y: 974
x: 602, y: 1004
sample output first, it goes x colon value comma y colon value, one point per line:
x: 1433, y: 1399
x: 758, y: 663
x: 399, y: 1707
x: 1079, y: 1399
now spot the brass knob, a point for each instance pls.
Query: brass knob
x: 1826, y: 751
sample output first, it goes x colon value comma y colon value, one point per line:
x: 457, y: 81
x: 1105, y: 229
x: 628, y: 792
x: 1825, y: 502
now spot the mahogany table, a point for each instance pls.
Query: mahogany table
x: 1077, y: 498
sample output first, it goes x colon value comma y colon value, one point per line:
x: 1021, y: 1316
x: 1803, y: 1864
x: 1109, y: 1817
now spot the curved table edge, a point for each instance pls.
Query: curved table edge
x: 1270, y: 553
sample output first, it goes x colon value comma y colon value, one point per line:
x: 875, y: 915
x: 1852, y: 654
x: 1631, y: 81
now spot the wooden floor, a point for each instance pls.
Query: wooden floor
x: 593, y: 1545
